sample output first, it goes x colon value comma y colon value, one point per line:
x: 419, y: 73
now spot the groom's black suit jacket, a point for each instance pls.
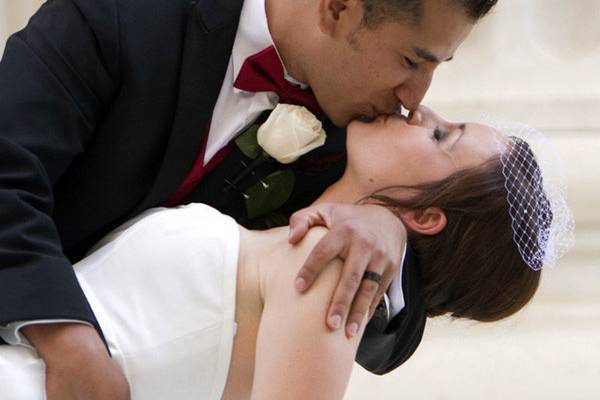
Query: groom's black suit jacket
x: 102, y: 109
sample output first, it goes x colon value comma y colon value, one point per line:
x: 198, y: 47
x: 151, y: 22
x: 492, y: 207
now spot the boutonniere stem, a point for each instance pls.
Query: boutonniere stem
x: 248, y: 170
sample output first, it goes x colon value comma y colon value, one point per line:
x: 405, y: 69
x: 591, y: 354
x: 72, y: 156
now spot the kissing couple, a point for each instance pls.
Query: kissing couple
x: 114, y: 108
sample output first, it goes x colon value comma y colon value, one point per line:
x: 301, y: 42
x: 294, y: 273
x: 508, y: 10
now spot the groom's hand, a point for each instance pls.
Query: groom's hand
x: 367, y: 238
x: 78, y: 365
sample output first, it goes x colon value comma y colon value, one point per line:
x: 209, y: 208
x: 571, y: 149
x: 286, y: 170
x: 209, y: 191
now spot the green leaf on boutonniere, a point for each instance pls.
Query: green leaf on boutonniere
x: 269, y: 194
x: 248, y: 143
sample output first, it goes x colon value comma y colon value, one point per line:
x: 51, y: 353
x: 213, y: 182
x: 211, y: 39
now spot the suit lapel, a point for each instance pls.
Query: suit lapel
x: 210, y: 33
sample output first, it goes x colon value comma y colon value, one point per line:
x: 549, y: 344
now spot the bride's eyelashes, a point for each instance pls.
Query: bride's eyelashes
x: 438, y: 134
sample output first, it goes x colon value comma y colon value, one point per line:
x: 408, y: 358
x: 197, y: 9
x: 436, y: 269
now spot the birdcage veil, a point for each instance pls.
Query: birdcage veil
x: 541, y: 220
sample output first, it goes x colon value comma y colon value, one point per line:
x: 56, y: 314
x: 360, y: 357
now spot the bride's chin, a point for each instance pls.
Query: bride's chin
x: 356, y: 128
x: 353, y: 125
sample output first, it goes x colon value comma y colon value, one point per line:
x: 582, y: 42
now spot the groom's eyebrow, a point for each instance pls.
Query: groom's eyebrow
x: 428, y: 56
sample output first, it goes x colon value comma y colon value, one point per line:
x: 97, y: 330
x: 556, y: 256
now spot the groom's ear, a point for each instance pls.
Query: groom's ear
x: 430, y: 221
x: 331, y: 13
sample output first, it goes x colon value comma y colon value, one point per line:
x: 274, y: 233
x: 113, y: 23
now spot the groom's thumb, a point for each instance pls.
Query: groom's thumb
x: 302, y: 220
x: 299, y: 225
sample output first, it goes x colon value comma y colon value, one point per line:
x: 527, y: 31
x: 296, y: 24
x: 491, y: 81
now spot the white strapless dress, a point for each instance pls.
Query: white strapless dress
x: 163, y: 290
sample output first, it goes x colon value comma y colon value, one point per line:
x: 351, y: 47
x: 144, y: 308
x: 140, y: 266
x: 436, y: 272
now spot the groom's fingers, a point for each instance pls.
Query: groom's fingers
x: 326, y: 250
x: 368, y: 295
x: 301, y: 221
x: 351, y: 288
x: 362, y: 236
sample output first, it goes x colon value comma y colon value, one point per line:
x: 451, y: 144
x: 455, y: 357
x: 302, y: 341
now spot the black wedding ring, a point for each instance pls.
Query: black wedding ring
x: 373, y: 276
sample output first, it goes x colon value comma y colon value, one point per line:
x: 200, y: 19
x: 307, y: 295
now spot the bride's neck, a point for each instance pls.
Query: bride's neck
x: 342, y: 191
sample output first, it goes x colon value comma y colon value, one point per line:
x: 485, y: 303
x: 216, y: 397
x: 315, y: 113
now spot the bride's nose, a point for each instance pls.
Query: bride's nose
x: 426, y: 118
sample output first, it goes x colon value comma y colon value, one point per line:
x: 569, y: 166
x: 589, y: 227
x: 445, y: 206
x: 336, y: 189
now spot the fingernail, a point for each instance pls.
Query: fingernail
x: 335, y: 321
x: 353, y: 329
x: 300, y: 284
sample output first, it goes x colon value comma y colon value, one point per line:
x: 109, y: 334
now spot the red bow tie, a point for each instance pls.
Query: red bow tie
x: 263, y: 72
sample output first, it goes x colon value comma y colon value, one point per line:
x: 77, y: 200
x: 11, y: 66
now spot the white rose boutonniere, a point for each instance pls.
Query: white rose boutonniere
x: 290, y: 132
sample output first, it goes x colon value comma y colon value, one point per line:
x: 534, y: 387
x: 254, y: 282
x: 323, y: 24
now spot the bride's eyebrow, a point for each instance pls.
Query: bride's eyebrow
x: 463, y: 128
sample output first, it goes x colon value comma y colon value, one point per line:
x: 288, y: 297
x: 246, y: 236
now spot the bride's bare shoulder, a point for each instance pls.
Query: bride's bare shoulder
x: 272, y: 254
x: 281, y: 252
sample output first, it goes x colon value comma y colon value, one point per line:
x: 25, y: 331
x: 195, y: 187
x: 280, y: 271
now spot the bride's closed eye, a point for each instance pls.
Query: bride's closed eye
x: 438, y: 134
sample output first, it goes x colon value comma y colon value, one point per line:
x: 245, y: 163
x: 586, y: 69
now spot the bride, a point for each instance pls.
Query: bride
x: 193, y: 306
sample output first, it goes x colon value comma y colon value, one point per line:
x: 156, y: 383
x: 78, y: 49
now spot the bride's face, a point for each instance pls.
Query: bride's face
x: 393, y: 151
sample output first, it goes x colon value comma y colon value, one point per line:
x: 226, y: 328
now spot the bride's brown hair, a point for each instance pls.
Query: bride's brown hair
x: 472, y: 269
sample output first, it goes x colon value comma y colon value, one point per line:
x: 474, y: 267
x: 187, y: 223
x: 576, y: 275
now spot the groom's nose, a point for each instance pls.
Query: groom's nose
x: 410, y: 92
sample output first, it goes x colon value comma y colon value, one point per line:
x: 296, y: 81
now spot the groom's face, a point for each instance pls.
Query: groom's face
x: 371, y: 70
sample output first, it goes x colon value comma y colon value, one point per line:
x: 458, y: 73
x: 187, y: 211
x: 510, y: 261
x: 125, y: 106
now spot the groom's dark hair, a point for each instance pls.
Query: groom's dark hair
x: 377, y: 11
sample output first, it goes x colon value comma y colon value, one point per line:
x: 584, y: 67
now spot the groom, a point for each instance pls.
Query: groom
x: 110, y: 107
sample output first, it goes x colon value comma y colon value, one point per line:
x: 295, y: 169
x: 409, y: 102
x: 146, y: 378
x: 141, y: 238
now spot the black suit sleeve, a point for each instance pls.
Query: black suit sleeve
x: 57, y: 76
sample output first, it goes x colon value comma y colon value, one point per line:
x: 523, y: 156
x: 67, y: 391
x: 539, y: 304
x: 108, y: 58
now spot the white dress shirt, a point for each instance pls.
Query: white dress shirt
x: 235, y: 110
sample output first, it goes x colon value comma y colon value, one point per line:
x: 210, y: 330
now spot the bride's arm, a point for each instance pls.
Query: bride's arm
x: 297, y: 356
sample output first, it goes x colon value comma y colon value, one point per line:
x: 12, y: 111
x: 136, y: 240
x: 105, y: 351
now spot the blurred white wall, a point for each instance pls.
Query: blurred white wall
x: 538, y: 62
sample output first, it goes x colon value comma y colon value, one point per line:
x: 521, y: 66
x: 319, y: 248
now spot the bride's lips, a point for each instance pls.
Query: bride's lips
x: 382, y: 118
